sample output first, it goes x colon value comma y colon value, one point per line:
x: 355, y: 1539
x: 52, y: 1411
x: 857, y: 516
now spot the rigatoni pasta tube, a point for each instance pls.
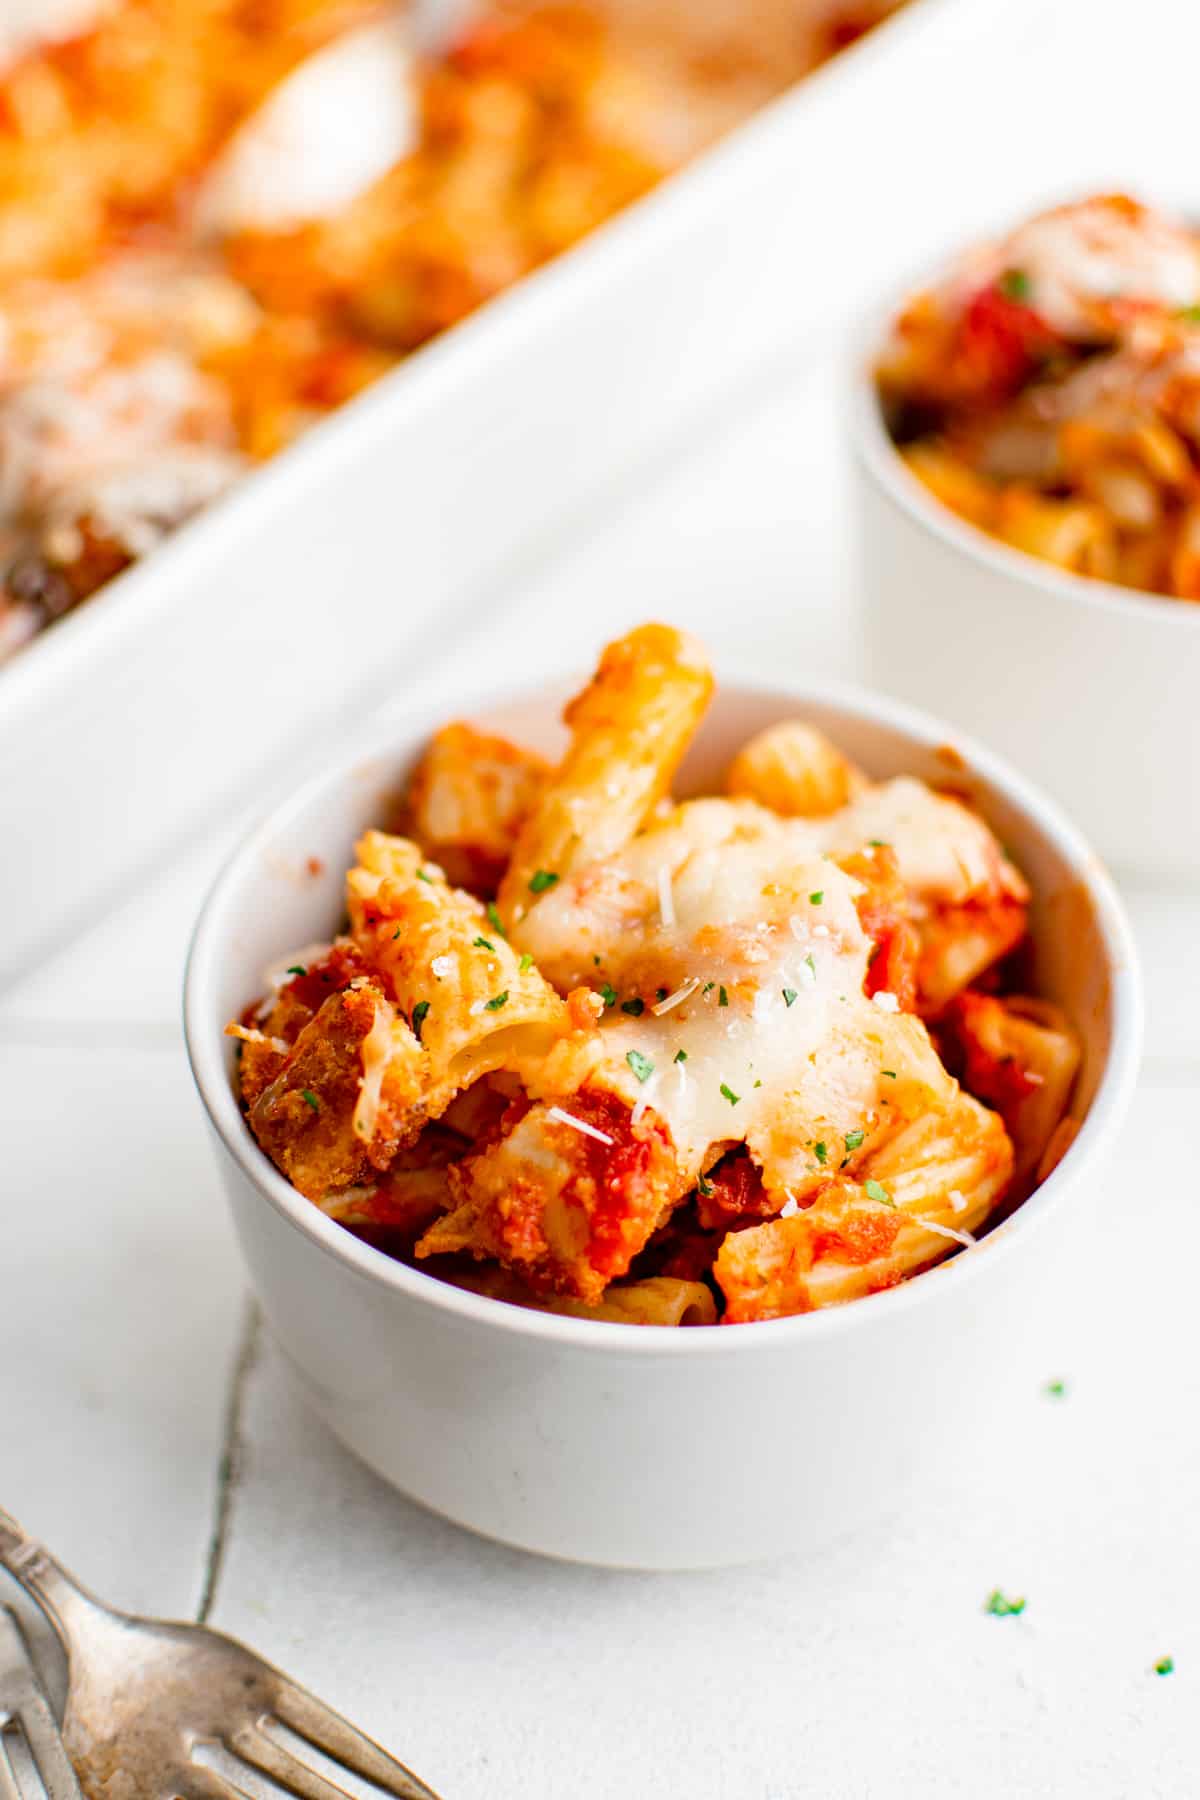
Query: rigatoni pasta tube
x: 472, y: 1001
x: 629, y: 729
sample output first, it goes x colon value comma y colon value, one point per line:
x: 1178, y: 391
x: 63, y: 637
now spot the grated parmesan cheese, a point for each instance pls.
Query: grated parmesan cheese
x: 566, y: 1118
x: 948, y: 1231
x: 683, y: 992
x: 886, y: 1002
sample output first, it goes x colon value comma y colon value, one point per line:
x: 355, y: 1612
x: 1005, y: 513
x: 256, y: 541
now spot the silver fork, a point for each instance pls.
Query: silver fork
x: 144, y: 1696
x: 23, y: 1703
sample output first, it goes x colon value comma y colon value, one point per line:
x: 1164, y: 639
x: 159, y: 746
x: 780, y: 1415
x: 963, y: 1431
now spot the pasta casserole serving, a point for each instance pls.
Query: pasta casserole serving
x: 1047, y: 390
x: 587, y: 1047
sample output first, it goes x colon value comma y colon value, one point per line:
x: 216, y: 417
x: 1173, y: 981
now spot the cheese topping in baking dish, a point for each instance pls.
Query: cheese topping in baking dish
x: 340, y: 196
x: 724, y: 1058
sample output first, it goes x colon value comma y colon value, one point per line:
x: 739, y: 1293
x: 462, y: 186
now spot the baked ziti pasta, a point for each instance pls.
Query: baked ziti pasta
x: 670, y: 1061
x: 1047, y: 390
x: 221, y: 219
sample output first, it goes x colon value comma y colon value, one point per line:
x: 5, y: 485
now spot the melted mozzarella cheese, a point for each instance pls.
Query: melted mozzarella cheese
x: 943, y: 851
x: 322, y: 137
x: 1078, y: 258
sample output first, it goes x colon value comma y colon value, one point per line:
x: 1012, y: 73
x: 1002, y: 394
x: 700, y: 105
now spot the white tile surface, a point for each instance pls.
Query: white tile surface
x: 120, y: 1299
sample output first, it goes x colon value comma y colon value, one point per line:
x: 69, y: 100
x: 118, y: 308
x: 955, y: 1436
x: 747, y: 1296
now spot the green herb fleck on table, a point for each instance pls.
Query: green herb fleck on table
x: 1056, y: 1389
x: 1165, y: 1665
x: 1001, y: 1607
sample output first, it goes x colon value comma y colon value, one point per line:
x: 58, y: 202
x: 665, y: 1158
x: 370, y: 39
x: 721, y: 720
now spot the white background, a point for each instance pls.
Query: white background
x: 869, y: 1671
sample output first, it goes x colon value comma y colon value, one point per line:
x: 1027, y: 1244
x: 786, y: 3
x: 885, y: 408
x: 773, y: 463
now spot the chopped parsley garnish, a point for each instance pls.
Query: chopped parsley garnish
x: 722, y: 997
x: 482, y: 943
x: 525, y: 964
x: 495, y: 1004
x: 660, y: 994
x: 641, y: 1065
x: 1056, y: 1389
x: 310, y: 1099
x: 789, y: 996
x: 419, y: 1016
x: 878, y: 844
x: 424, y: 875
x: 395, y: 934
x: 890, y: 1073
x: 297, y: 969
x: 730, y: 1095
x: 854, y: 1139
x: 874, y: 1190
x: 1001, y: 1607
x: 541, y: 879
x: 635, y: 1008
x: 596, y: 961
x: 705, y: 1187
x: 1014, y: 284
x: 608, y: 994
x: 758, y: 1084
x: 1165, y: 1665
x: 707, y: 988
x: 817, y: 898
x: 681, y: 1056
x: 821, y: 1153
x: 812, y: 965
x: 494, y: 919
x: 1190, y: 313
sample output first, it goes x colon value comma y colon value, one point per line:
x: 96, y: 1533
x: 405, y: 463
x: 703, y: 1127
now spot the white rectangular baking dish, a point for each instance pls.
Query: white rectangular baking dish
x: 308, y: 595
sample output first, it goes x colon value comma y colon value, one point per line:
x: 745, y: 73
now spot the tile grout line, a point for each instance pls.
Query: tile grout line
x: 230, y: 1464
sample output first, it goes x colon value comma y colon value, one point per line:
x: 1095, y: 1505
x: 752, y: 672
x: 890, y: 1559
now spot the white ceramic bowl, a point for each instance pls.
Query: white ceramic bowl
x: 629, y: 1445
x: 1091, y: 688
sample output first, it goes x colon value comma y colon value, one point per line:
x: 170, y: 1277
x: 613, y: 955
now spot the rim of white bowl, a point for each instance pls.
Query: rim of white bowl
x: 206, y: 1046
x: 878, y: 455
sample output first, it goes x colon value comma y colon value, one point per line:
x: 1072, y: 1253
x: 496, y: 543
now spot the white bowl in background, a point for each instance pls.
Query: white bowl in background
x: 628, y: 1445
x: 1090, y: 688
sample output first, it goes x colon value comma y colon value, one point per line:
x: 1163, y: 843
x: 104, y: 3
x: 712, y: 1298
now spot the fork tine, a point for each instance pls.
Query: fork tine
x: 326, y: 1730
x: 28, y: 1705
x: 270, y: 1758
x: 8, y: 1780
x: 209, y: 1784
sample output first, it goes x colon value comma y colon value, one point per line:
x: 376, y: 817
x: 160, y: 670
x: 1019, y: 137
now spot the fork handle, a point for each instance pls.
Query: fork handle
x: 60, y: 1596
